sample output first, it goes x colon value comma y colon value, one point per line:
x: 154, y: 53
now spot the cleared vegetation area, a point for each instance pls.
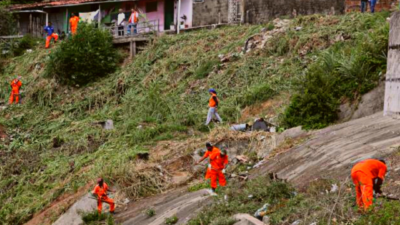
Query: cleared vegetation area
x: 54, y: 145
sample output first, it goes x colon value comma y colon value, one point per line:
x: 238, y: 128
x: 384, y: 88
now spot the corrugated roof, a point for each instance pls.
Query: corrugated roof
x: 51, y: 3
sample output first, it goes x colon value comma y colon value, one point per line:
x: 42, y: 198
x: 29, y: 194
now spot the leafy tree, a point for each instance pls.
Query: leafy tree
x: 7, y: 21
x: 84, y: 57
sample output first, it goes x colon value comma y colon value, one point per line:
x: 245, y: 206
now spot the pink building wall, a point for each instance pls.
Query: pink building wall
x: 159, y: 15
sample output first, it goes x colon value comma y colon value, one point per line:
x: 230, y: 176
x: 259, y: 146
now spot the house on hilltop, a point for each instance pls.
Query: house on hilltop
x: 165, y: 15
x: 161, y: 14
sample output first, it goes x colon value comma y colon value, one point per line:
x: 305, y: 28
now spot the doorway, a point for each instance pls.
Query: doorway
x: 169, y: 14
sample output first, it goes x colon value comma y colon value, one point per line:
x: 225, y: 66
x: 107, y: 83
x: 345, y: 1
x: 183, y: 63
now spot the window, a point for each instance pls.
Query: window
x: 151, y: 7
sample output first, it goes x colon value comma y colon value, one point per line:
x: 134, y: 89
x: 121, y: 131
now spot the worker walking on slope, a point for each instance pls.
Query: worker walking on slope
x: 218, y: 161
x: 210, y: 150
x: 15, y: 87
x: 100, y: 192
x: 73, y: 23
x: 50, y: 34
x: 213, y: 104
x: 367, y: 177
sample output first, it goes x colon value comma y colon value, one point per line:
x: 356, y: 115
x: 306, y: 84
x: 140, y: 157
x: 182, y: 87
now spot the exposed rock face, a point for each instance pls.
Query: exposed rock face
x: 369, y: 104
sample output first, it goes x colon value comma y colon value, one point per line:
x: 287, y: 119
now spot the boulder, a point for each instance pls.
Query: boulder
x: 246, y: 219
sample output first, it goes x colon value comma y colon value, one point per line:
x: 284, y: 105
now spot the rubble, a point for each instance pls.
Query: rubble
x: 259, y: 41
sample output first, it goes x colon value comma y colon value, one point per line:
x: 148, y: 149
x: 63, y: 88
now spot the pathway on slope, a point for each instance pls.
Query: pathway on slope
x: 177, y: 203
x: 331, y: 152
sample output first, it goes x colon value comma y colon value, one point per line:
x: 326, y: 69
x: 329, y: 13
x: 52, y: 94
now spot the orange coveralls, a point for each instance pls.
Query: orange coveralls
x: 218, y: 163
x: 101, y: 193
x: 15, y: 86
x: 73, y: 22
x: 48, y: 39
x: 206, y: 155
x: 363, y: 174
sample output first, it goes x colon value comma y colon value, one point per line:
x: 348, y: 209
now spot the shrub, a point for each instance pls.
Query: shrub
x: 69, y: 62
x: 27, y: 42
x: 345, y: 71
x: 7, y: 21
x: 171, y: 220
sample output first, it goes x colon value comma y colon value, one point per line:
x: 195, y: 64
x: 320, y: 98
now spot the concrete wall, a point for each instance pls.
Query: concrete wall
x: 392, y: 91
x: 261, y: 11
x: 210, y: 12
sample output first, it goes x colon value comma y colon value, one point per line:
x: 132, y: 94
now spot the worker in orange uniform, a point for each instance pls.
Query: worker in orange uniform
x: 213, y: 104
x: 100, y: 192
x: 15, y: 87
x: 218, y: 161
x: 50, y: 34
x: 73, y: 22
x: 368, y: 176
x: 210, y: 150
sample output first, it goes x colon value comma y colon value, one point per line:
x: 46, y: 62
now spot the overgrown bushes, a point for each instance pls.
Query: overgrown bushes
x: 85, y: 57
x: 7, y: 22
x: 344, y: 71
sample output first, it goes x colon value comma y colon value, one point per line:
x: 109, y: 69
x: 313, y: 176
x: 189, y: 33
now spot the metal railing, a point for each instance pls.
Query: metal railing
x: 142, y: 28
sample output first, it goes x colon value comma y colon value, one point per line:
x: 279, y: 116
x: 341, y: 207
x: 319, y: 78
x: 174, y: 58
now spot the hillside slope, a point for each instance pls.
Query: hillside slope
x: 55, y: 145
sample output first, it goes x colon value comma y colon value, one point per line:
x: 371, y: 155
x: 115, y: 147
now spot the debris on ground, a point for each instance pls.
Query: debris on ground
x: 258, y: 41
x: 261, y: 212
x: 242, y: 158
x: 240, y: 127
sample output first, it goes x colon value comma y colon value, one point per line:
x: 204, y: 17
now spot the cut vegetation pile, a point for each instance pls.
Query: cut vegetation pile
x: 56, y: 144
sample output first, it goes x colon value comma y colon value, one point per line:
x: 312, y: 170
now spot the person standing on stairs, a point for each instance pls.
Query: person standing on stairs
x: 100, y: 192
x: 210, y: 150
x: 218, y: 161
x: 368, y: 177
x: 15, y: 87
x: 213, y: 104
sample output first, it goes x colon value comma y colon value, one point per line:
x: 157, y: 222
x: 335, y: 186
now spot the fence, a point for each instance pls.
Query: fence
x: 147, y: 27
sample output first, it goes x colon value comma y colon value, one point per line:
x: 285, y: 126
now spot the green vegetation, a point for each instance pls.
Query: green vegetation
x: 199, y: 186
x: 7, y: 21
x: 150, y: 212
x: 171, y: 220
x: 160, y: 95
x: 83, y: 58
x: 244, y: 198
x: 94, y: 218
x: 347, y: 70
x: 314, y: 204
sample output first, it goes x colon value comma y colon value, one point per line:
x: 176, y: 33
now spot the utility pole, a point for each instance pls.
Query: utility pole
x: 179, y: 17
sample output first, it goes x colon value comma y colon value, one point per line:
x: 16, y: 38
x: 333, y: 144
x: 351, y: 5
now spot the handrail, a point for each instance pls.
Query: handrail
x: 146, y: 27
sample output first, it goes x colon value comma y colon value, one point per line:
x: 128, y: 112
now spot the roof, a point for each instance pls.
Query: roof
x: 49, y: 3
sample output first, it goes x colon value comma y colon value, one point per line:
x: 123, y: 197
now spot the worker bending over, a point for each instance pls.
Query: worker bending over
x: 367, y: 177
x: 210, y: 150
x: 218, y: 161
x: 100, y: 192
x: 15, y: 87
x: 50, y: 34
x: 73, y: 23
x: 213, y: 104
